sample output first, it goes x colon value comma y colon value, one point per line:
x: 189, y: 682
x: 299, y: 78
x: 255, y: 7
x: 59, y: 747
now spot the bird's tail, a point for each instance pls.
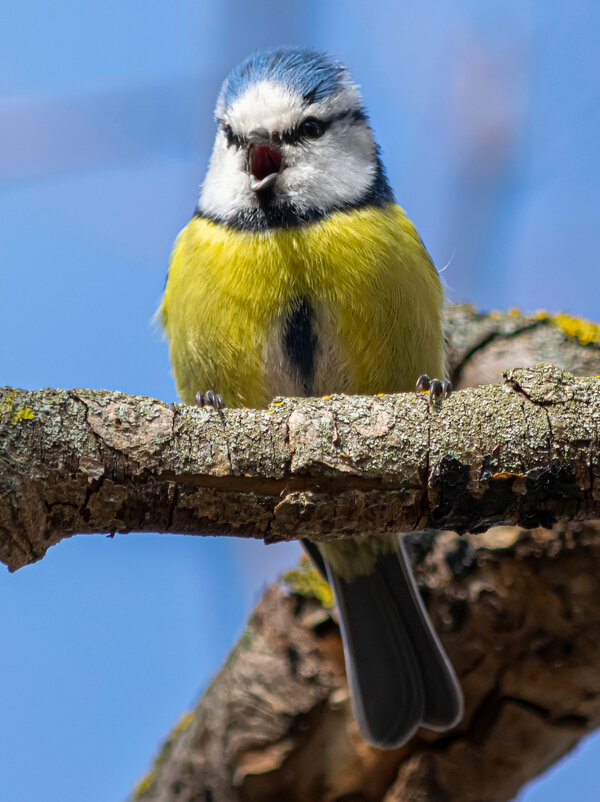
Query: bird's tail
x: 399, y: 675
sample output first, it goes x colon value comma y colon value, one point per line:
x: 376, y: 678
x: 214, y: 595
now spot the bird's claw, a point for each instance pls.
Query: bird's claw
x: 210, y: 399
x: 437, y: 388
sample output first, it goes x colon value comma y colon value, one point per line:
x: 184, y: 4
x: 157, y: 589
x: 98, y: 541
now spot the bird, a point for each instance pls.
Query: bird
x: 299, y: 275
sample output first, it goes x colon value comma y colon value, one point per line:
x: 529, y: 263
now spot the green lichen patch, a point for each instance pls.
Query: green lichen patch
x: 306, y: 581
x: 145, y: 783
x: 148, y: 779
x: 7, y: 402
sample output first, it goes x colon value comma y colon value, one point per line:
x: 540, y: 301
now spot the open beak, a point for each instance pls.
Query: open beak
x: 264, y: 165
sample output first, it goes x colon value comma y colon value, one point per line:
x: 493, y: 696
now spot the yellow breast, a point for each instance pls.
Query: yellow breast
x: 374, y: 296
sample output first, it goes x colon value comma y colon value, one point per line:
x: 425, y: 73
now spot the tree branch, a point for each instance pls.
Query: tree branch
x: 524, y: 451
x: 518, y: 611
x: 519, y: 615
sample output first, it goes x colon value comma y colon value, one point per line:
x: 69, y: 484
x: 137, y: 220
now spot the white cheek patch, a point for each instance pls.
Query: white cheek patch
x: 226, y: 187
x: 335, y: 171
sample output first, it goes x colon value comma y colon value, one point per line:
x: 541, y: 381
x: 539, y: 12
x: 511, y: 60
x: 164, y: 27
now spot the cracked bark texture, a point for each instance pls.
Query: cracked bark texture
x: 523, y: 451
x: 519, y: 614
x: 518, y: 611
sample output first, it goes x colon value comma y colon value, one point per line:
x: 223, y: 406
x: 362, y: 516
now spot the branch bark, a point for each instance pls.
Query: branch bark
x: 92, y: 461
x: 519, y: 614
x: 524, y: 451
x: 518, y: 610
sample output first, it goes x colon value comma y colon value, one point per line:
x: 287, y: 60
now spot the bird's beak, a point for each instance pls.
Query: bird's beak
x: 264, y: 161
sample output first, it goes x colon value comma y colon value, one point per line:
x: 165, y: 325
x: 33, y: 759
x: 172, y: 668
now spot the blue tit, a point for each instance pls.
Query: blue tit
x: 299, y: 275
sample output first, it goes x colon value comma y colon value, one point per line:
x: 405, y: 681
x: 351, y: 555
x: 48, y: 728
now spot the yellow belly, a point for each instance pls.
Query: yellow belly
x: 375, y: 295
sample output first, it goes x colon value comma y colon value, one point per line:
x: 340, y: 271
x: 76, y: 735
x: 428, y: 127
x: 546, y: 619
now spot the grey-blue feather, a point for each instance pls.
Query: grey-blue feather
x: 310, y: 73
x: 399, y: 675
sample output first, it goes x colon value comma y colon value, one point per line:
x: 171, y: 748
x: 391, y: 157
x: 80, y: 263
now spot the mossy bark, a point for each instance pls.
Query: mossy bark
x: 523, y: 451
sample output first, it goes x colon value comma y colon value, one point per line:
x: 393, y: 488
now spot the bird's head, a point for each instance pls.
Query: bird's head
x: 293, y: 143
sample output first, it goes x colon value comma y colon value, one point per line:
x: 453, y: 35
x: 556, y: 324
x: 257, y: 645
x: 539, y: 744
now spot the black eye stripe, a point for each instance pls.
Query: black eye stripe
x: 232, y: 139
x: 298, y: 133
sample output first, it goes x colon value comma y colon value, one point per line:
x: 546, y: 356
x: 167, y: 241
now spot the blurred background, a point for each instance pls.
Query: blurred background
x: 488, y: 115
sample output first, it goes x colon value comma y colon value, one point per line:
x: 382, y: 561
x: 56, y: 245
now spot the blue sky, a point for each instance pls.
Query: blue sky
x: 488, y: 115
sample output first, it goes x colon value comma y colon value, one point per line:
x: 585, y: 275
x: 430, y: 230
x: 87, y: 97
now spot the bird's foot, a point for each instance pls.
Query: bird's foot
x: 437, y: 388
x: 210, y: 399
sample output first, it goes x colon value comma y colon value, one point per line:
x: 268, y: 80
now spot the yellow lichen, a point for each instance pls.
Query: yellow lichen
x: 148, y: 779
x: 7, y: 404
x: 307, y: 581
x: 584, y: 331
x: 24, y: 413
x: 184, y: 722
x: 145, y: 783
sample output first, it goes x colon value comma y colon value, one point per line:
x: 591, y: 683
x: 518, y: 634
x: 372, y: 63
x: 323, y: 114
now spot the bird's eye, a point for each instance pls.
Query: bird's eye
x: 311, y: 128
x: 227, y: 130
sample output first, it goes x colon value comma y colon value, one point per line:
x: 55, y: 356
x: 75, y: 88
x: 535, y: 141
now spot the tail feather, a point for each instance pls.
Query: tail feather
x: 399, y: 675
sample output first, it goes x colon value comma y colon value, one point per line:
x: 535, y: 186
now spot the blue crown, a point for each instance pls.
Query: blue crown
x: 313, y: 75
